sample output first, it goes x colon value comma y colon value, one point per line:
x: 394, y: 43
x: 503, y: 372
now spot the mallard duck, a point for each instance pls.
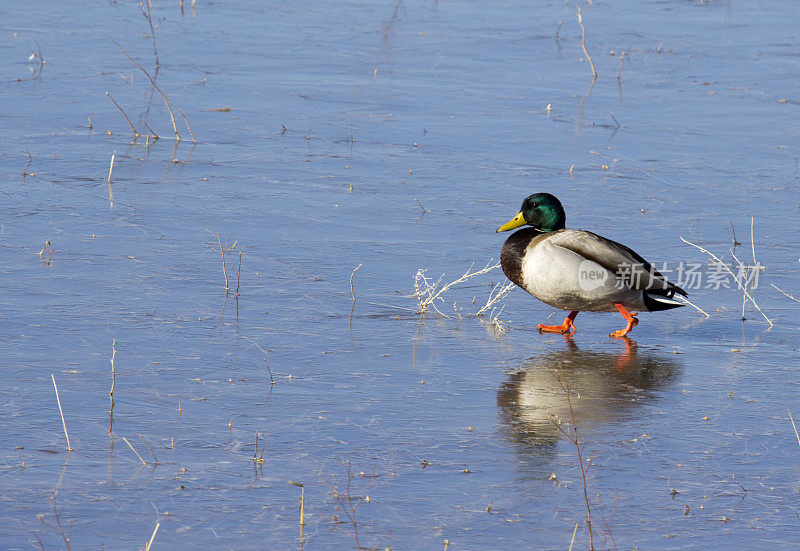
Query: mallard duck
x: 579, y: 271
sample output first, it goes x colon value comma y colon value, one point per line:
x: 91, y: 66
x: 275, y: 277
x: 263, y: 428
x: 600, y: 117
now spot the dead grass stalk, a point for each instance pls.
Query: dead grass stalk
x: 224, y: 271
x: 349, y: 504
x: 302, y: 508
x: 498, y: 293
x: 153, y: 82
x: 113, y: 384
x: 269, y: 369
x: 784, y: 293
x: 149, y: 449
x: 690, y: 303
x: 794, y: 427
x: 110, y: 170
x: 352, y: 290
x: 124, y: 114
x: 134, y: 451
x: 61, y: 411
x: 741, y: 286
x: 583, y: 43
x: 427, y: 291
x: 152, y: 537
x: 49, y: 247
x: 239, y: 274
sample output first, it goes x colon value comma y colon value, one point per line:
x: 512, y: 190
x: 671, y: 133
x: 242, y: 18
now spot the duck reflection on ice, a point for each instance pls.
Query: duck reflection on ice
x: 604, y: 386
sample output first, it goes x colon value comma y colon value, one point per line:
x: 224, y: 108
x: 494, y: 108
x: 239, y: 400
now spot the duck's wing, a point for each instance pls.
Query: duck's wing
x: 617, y: 258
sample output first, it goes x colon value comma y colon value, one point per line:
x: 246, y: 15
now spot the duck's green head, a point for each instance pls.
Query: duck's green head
x: 540, y: 210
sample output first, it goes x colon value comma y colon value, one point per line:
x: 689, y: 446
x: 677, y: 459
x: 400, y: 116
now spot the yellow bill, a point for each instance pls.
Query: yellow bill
x: 515, y: 222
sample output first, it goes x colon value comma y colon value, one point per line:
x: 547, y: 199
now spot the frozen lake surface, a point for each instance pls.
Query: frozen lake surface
x: 395, y: 137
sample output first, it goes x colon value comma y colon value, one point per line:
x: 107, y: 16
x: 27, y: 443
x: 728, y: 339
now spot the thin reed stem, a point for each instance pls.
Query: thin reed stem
x: 110, y: 170
x: 185, y: 120
x: 572, y: 541
x: 427, y: 291
x: 224, y: 271
x: 113, y: 377
x: 135, y: 132
x: 61, y: 411
x: 690, y: 303
x: 583, y: 43
x: 153, y: 82
x: 152, y: 537
x: 621, y: 59
x: 239, y: 273
x: 352, y: 291
x: 794, y: 427
x: 134, y: 450
x: 742, y: 287
x: 49, y: 247
x: 148, y: 449
x: 785, y: 293
x: 269, y: 369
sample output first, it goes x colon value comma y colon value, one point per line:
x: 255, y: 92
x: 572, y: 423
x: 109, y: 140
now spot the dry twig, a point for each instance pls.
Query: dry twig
x: 352, y: 291
x: 111, y: 167
x: 48, y: 246
x: 148, y: 449
x: 427, y: 292
x: 152, y: 134
x: 690, y: 303
x: 152, y: 537
x: 423, y: 209
x: 302, y: 508
x: 224, y: 271
x: 256, y: 457
x: 153, y: 82
x: 135, y: 132
x: 583, y: 43
x: 134, y: 450
x: 572, y: 541
x: 621, y: 59
x: 736, y: 279
x: 495, y: 296
x: 349, y: 504
x: 239, y: 273
x: 186, y: 121
x: 110, y: 170
x: 794, y: 427
x: 785, y: 293
x: 63, y: 423
x: 269, y: 369
x: 498, y: 325
x: 113, y: 377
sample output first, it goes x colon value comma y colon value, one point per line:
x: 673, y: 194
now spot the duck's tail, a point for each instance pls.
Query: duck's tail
x: 656, y: 302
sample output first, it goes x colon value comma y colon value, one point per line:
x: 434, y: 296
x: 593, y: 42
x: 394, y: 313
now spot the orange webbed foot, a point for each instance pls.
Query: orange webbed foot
x: 565, y: 328
x: 632, y: 322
